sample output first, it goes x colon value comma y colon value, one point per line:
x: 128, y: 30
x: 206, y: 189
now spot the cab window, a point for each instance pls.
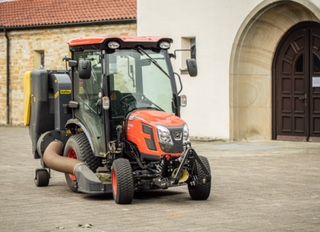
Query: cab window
x: 87, y: 91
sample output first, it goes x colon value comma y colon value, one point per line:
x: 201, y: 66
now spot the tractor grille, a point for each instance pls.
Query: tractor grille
x: 177, y: 138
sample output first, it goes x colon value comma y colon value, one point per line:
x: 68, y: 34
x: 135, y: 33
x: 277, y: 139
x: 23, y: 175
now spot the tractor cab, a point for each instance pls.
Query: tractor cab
x: 118, y: 75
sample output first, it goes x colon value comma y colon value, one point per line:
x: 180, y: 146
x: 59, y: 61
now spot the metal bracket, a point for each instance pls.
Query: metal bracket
x: 186, y: 155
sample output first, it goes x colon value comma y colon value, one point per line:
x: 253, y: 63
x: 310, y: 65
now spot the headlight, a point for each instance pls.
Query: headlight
x: 113, y: 45
x: 164, y: 136
x: 186, y: 137
x: 164, y: 45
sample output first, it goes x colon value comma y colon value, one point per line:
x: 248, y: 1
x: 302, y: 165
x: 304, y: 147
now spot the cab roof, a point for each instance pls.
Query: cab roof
x: 123, y: 40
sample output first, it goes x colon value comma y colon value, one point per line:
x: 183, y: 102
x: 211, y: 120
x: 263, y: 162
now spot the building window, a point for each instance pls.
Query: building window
x: 38, y: 59
x: 188, y: 44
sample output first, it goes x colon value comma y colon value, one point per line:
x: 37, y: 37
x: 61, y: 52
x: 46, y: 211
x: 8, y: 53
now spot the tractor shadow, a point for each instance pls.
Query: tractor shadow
x: 98, y: 197
x: 140, y: 196
x: 175, y: 195
x: 153, y: 194
x: 172, y: 197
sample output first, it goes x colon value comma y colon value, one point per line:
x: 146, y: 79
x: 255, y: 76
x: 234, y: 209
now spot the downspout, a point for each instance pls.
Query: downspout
x: 8, y: 73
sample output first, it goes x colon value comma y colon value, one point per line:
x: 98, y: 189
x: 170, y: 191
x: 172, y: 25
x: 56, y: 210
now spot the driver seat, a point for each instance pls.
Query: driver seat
x: 116, y: 108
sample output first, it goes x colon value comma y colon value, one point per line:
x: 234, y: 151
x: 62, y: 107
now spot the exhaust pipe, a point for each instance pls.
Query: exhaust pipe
x: 53, y: 160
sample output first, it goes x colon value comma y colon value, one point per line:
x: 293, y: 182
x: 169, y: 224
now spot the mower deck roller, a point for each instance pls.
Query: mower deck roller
x: 111, y: 122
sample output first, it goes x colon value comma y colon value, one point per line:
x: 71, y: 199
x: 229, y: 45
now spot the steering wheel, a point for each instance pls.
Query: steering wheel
x: 127, y: 100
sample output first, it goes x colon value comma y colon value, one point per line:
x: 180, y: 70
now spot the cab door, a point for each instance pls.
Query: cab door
x: 87, y: 92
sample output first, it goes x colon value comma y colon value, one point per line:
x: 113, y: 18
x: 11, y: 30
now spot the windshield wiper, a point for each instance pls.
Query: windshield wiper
x: 140, y: 50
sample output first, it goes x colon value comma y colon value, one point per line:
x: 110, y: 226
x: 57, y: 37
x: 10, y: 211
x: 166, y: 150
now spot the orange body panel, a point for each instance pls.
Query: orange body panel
x: 100, y: 40
x: 152, y: 119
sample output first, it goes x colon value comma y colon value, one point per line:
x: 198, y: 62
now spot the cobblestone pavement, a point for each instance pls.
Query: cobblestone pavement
x: 258, y: 186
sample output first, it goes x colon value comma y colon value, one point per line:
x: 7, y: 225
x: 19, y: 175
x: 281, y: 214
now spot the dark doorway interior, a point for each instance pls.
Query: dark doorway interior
x: 296, y: 84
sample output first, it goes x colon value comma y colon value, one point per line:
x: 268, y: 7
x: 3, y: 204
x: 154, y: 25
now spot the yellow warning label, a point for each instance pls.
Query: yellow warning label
x: 62, y: 92
x: 65, y: 91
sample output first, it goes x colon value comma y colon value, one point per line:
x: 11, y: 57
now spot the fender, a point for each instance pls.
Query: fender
x: 76, y: 122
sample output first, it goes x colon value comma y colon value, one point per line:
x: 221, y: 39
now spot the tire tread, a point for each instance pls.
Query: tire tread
x: 125, y: 182
x: 85, y: 155
x: 200, y: 191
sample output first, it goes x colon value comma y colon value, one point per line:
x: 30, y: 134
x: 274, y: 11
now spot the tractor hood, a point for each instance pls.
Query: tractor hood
x: 155, y: 118
x: 143, y: 131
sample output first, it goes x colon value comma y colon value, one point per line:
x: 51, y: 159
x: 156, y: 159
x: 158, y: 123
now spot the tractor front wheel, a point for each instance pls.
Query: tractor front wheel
x: 122, y: 181
x: 200, y: 190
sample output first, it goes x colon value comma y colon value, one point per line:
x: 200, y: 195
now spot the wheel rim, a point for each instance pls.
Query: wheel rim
x: 114, y: 183
x: 72, y: 155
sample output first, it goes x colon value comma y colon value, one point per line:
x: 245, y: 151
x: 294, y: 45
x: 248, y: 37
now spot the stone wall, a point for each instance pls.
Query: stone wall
x: 2, y: 79
x: 53, y: 42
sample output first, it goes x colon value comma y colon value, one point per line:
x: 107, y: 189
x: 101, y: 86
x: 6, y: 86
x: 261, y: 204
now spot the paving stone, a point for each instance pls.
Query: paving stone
x: 257, y: 186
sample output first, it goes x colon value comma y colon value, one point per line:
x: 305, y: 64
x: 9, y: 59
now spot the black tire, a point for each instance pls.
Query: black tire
x: 42, y: 178
x: 200, y: 191
x: 78, y: 147
x: 122, y: 181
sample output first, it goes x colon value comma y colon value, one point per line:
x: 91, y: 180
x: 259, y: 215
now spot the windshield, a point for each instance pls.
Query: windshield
x: 137, y: 81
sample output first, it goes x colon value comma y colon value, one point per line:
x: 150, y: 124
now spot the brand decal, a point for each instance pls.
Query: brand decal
x: 177, y: 135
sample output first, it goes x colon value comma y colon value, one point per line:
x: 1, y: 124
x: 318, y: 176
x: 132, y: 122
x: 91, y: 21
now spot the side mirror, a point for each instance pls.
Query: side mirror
x: 84, y: 69
x: 192, y: 67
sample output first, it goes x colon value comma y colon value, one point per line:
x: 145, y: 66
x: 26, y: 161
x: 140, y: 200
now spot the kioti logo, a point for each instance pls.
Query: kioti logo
x: 177, y: 135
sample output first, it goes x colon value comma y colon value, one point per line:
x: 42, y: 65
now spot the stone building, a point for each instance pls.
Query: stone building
x: 258, y: 60
x: 34, y: 33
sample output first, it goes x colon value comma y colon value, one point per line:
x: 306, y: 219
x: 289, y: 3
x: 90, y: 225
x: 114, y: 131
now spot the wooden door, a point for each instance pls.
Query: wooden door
x: 314, y: 84
x: 296, y: 84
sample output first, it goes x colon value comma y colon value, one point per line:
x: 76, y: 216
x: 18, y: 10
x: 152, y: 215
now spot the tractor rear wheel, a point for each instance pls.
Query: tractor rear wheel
x: 122, y: 181
x: 78, y: 147
x: 200, y: 191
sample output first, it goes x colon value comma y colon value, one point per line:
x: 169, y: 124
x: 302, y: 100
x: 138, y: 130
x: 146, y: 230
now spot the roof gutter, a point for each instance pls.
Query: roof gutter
x: 8, y: 73
x: 76, y: 24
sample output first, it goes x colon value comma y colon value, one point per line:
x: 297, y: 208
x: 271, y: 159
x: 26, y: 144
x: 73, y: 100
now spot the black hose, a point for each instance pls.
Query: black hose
x: 136, y: 155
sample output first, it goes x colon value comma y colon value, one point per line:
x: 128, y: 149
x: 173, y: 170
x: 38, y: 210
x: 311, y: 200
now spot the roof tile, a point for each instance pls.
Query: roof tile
x: 29, y: 13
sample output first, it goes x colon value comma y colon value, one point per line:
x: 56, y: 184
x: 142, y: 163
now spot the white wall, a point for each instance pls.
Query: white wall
x: 215, y: 25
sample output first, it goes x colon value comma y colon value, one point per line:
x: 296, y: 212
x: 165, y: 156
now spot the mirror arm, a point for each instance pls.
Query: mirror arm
x: 70, y: 62
x: 180, y: 50
x: 180, y: 82
x: 171, y: 55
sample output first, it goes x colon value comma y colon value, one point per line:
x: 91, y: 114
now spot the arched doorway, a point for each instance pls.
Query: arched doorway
x: 296, y: 84
x: 251, y: 65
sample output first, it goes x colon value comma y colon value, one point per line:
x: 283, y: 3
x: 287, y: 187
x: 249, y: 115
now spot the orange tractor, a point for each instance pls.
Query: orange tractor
x: 111, y: 121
